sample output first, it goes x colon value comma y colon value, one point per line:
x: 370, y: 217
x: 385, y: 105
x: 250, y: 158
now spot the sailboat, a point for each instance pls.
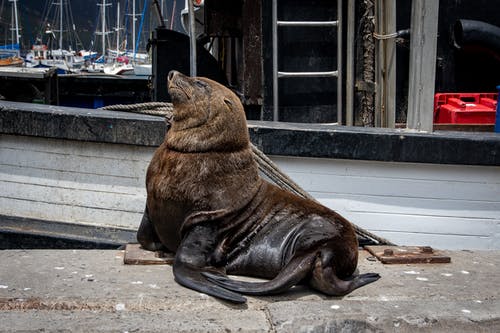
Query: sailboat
x: 10, y: 53
x: 126, y: 61
x: 44, y: 52
x: 117, y: 63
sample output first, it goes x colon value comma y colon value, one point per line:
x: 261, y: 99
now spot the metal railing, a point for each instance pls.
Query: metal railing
x: 281, y: 74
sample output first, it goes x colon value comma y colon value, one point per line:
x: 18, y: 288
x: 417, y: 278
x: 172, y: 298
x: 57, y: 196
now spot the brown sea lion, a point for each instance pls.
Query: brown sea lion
x: 207, y: 202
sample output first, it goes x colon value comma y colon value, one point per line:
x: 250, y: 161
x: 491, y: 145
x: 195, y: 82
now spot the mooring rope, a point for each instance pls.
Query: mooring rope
x: 266, y: 165
x: 152, y: 108
x: 368, y: 44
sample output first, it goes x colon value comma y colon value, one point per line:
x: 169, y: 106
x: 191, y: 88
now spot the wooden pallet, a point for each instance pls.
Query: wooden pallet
x: 136, y: 255
x: 408, y: 254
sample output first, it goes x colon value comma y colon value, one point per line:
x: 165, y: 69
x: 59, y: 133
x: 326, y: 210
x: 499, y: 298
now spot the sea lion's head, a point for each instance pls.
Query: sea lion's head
x: 207, y: 116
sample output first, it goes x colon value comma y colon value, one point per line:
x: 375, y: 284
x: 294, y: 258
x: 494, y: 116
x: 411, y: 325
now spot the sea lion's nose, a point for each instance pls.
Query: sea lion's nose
x: 171, y: 75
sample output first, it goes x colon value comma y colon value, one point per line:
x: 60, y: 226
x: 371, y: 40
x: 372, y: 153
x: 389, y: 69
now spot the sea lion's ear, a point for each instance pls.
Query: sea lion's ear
x: 228, y: 102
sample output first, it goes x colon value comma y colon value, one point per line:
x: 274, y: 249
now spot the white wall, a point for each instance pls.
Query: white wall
x: 72, y: 181
x: 445, y: 206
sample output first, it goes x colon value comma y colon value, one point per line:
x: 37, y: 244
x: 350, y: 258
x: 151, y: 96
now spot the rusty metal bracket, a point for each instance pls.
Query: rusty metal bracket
x: 408, y: 254
x: 136, y: 255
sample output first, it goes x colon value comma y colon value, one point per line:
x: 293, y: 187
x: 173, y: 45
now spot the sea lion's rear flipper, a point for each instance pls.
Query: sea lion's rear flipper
x: 324, y: 279
x: 191, y: 277
x: 295, y: 271
x: 191, y: 260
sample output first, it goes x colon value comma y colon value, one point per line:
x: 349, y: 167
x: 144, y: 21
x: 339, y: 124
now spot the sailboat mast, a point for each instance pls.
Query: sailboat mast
x: 103, y: 14
x: 61, y: 3
x: 103, y: 33
x: 117, y: 28
x: 16, y: 22
x: 133, y: 25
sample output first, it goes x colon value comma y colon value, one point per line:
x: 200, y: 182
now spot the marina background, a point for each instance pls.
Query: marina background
x: 85, y: 18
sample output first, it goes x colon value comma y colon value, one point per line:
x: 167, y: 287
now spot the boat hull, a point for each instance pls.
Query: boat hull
x: 102, y: 184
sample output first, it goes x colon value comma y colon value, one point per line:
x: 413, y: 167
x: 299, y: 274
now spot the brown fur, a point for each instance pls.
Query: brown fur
x: 206, y: 201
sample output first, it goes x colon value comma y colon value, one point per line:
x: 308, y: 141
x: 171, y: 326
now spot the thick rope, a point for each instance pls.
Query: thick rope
x: 368, y: 97
x: 151, y: 108
x: 266, y: 165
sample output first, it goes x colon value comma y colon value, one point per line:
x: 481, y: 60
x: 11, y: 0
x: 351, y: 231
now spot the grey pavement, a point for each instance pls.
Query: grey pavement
x: 93, y: 291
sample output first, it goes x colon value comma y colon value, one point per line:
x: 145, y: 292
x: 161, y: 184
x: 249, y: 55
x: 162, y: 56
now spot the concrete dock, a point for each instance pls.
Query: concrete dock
x: 93, y: 291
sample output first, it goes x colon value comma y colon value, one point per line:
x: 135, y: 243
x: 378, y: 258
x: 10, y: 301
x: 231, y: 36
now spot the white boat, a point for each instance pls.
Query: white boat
x: 118, y: 61
x: 142, y: 69
x: 59, y: 29
x: 141, y: 61
x: 65, y: 61
x: 45, y: 177
x: 10, y: 53
x: 118, y: 68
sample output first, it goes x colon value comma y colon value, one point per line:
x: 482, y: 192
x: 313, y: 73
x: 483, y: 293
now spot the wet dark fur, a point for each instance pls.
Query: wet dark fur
x: 207, y: 203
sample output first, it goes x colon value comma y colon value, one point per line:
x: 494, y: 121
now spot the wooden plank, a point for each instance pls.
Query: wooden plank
x: 394, y: 179
x: 136, y: 255
x: 385, y: 67
x: 422, y: 223
x: 343, y: 167
x: 74, y: 181
x: 71, y: 181
x: 408, y: 255
x: 73, y: 163
x: 90, y: 198
x: 251, y: 78
x: 449, y: 242
x: 88, y: 149
x: 409, y: 188
x: 68, y: 213
x: 447, y: 206
x: 412, y: 206
x: 423, y: 46
x: 71, y: 178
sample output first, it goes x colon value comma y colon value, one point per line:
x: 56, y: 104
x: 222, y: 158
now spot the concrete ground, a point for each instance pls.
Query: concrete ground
x: 93, y: 291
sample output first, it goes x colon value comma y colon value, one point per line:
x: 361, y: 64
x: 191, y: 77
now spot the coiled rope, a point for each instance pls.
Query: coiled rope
x: 266, y: 165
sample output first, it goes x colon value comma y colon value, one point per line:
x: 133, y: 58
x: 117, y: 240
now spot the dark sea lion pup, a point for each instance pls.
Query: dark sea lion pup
x: 207, y: 203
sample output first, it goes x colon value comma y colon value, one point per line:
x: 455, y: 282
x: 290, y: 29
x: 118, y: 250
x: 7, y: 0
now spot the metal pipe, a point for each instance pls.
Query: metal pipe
x: 349, y: 74
x: 308, y: 74
x: 471, y: 32
x: 308, y: 23
x: 192, y: 39
x: 339, y: 62
x: 275, y: 59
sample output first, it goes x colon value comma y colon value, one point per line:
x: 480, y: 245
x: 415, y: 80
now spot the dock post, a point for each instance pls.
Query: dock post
x: 423, y: 45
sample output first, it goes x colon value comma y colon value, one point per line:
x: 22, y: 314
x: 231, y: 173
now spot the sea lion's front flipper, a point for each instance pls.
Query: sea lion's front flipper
x: 295, y: 271
x: 146, y: 235
x: 191, y: 261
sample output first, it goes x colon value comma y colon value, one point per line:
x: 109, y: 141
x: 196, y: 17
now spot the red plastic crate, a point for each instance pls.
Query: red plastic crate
x: 465, y: 108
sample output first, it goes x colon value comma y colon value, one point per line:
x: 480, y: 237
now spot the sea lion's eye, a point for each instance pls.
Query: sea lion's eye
x: 200, y: 84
